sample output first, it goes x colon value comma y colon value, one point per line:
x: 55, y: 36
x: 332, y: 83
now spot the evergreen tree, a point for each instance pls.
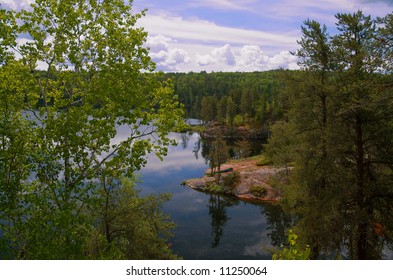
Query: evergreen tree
x: 222, y: 110
x: 312, y: 119
x: 209, y: 108
x: 340, y: 130
x: 219, y: 154
x: 367, y: 118
x: 231, y: 111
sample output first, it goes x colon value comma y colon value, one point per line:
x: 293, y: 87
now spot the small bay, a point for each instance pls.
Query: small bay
x: 209, y: 226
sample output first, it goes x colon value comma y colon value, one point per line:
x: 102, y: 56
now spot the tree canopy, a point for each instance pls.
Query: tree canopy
x: 337, y: 135
x: 254, y: 98
x: 81, y: 72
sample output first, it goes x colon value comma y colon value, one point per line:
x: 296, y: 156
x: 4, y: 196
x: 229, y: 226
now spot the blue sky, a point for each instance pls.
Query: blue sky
x: 242, y: 35
x: 233, y: 35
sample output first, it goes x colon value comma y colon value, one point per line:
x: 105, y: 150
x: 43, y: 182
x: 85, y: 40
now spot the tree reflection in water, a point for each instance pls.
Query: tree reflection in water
x: 219, y: 217
x: 278, y: 223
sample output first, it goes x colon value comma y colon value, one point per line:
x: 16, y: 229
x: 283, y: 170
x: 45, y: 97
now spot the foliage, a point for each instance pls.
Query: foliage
x: 263, y: 160
x: 214, y: 188
x: 338, y: 134
x: 280, y: 147
x: 258, y: 191
x: 83, y: 73
x: 209, y: 108
x: 219, y: 153
x: 230, y: 181
x: 294, y: 251
x: 129, y: 226
x: 223, y: 96
x: 243, y: 148
x: 187, y: 128
x: 7, y: 34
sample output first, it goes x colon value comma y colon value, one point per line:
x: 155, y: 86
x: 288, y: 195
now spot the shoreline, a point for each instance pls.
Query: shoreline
x: 242, y: 180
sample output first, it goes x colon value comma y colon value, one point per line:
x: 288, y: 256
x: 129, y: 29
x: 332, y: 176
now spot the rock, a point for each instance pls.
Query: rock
x: 199, y: 183
x: 248, y: 175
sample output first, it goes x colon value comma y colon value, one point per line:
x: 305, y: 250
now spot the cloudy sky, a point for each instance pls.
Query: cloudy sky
x: 233, y: 35
x: 237, y: 35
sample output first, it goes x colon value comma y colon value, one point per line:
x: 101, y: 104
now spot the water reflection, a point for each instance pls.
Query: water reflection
x: 219, y: 217
x: 278, y: 222
x: 209, y: 226
x: 204, y: 146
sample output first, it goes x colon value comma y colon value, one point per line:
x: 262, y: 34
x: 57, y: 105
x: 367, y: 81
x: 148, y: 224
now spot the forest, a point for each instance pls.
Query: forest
x: 67, y: 190
x: 331, y: 124
x: 230, y: 97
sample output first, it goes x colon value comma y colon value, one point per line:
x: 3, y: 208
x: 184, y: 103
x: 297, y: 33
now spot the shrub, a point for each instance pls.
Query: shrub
x: 294, y: 251
x: 263, y: 161
x: 230, y: 180
x: 214, y: 188
x: 258, y: 191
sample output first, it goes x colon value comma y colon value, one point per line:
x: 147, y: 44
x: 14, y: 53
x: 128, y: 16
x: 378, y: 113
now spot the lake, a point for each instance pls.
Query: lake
x: 210, y: 226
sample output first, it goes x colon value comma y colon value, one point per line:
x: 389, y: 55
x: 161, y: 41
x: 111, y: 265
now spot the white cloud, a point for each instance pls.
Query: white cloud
x: 159, y: 57
x: 197, y: 30
x: 324, y: 11
x: 203, y: 60
x: 240, y: 5
x: 390, y: 2
x: 191, y: 43
x: 177, y: 56
x: 225, y: 55
x: 171, y: 59
x: 175, y: 160
x: 16, y: 4
x: 205, y: 46
x: 158, y: 43
x: 164, y: 52
x: 290, y: 8
x: 284, y: 60
x: 253, y: 58
x: 224, y: 59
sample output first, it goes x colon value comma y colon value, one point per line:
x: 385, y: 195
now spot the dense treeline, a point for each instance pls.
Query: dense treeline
x: 230, y: 97
x: 336, y: 138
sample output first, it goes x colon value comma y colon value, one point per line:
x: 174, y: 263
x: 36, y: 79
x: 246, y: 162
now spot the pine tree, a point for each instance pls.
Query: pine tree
x: 365, y: 112
x: 219, y: 154
x: 340, y: 138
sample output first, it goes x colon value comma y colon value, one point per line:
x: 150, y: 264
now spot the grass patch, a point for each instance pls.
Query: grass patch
x: 263, y: 160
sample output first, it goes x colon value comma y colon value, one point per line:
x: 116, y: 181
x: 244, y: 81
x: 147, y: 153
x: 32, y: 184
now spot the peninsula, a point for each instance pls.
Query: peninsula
x: 245, y: 179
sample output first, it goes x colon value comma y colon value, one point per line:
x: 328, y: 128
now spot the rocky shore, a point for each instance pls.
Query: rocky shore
x: 245, y: 180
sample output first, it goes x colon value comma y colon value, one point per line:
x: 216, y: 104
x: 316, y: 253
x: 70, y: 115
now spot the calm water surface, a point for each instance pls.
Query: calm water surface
x: 209, y: 227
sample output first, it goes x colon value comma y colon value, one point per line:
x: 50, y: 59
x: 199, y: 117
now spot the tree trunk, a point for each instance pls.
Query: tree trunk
x: 361, y: 230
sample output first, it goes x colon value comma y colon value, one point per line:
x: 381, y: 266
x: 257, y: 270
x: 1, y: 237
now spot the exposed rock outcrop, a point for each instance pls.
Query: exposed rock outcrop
x: 247, y: 177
